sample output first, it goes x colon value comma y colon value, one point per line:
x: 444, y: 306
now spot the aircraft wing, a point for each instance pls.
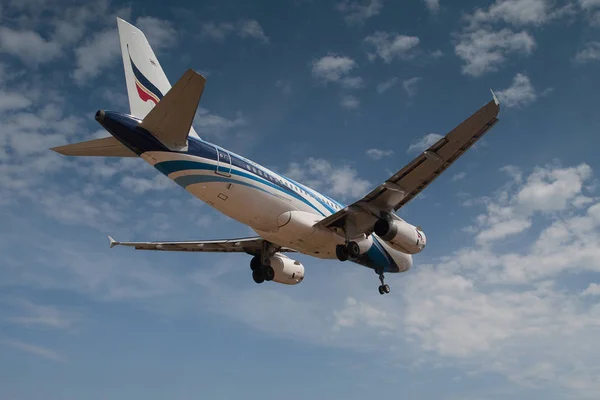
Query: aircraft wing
x: 251, y: 245
x: 406, y: 184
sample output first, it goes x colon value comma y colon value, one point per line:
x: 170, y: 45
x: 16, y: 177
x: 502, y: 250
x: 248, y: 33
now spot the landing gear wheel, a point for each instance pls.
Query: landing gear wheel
x: 353, y: 249
x: 341, y: 252
x: 255, y: 263
x: 383, y: 289
x: 268, y: 273
x: 258, y: 276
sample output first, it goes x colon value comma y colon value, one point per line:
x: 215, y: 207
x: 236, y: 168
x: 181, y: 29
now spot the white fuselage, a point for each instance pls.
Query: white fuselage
x: 277, y: 208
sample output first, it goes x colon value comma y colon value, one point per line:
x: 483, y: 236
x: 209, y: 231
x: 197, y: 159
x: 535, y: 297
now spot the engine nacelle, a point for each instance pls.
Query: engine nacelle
x: 287, y: 271
x: 401, y: 235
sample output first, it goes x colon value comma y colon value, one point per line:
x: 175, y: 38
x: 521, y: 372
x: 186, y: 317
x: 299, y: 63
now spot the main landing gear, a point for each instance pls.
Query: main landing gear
x: 384, y: 287
x: 261, y: 272
x: 347, y: 251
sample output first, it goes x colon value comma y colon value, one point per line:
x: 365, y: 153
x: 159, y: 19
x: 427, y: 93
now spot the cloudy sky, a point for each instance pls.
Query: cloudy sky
x: 503, y: 303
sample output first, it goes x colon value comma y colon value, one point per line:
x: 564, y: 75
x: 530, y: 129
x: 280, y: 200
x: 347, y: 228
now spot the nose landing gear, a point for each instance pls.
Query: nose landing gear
x: 383, y: 288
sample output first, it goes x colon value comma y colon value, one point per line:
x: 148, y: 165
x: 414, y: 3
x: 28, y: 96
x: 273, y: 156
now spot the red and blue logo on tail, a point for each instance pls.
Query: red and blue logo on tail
x: 146, y: 90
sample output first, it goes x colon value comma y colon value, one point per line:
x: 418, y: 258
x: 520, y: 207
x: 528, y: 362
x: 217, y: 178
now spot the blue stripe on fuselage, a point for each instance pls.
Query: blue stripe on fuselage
x: 169, y: 167
x: 187, y: 180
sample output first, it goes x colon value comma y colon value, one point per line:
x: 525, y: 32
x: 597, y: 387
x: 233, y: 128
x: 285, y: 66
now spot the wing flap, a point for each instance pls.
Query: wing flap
x: 105, y: 147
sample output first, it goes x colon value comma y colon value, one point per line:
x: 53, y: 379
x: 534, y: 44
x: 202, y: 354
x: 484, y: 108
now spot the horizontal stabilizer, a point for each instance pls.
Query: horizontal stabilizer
x: 171, y: 119
x: 105, y: 147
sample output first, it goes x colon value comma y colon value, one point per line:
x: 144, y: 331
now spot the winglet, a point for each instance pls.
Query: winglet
x: 113, y: 242
x: 495, y: 98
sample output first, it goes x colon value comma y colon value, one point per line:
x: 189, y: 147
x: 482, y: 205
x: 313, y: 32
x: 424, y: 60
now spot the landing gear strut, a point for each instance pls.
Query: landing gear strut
x: 383, y: 288
x: 346, y: 251
x: 260, y: 271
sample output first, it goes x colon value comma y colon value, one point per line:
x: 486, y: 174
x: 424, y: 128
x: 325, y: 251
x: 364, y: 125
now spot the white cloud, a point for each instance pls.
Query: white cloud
x: 424, y: 143
x: 503, y: 228
x: 520, y: 93
x: 484, y: 50
x: 516, y: 12
x: 357, y: 11
x: 352, y: 82
x: 338, y: 181
x: 390, y: 46
x: 13, y: 101
x: 216, y: 31
x: 246, y: 28
x: 210, y: 124
x: 433, y: 5
x: 459, y: 176
x: 592, y: 290
x: 581, y: 201
x: 590, y: 52
x: 589, y: 4
x: 592, y: 9
x: 33, y: 349
x: 71, y: 23
x: 332, y: 68
x: 546, y: 190
x: 514, y: 172
x: 142, y: 185
x: 550, y: 189
x: 378, y: 154
x: 467, y: 310
x: 360, y: 313
x: 28, y: 46
x: 386, y: 85
x: 251, y: 28
x: 40, y: 315
x: 437, y: 53
x: 98, y: 53
x: 410, y: 85
x: 350, y: 101
x: 160, y: 33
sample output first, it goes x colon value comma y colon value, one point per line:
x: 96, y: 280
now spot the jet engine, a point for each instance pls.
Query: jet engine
x: 287, y: 271
x: 401, y: 235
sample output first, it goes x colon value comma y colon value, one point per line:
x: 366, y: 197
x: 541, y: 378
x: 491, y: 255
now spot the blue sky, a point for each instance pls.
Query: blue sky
x: 504, y: 301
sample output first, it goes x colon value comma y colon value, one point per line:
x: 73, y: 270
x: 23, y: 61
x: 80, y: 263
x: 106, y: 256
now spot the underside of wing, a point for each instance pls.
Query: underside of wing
x: 407, y: 183
x: 251, y: 245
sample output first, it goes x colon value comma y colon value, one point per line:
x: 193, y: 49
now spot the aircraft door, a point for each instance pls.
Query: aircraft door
x: 223, y: 162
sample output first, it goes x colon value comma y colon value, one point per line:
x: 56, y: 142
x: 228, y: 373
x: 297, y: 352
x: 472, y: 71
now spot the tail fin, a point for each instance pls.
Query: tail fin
x: 146, y: 81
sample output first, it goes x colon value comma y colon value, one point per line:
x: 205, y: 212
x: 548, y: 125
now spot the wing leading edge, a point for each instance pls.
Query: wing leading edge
x: 250, y: 245
x: 408, y: 182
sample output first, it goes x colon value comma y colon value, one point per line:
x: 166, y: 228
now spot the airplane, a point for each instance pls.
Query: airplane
x: 287, y: 216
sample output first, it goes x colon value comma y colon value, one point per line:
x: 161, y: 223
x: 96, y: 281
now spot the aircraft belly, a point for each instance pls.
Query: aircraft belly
x: 245, y: 204
x: 318, y: 243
